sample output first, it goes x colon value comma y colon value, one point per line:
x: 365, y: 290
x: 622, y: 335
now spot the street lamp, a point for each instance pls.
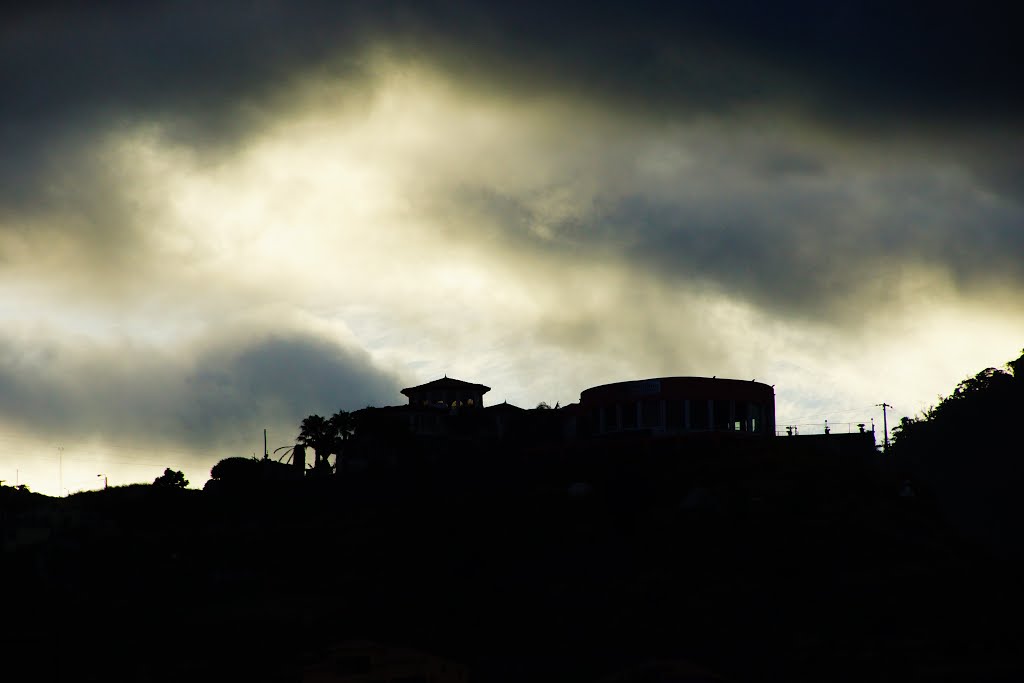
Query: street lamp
x: 104, y: 480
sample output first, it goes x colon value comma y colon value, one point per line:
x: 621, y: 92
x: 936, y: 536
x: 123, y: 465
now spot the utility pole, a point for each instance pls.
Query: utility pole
x: 885, y: 424
x: 60, y: 466
x: 265, y: 453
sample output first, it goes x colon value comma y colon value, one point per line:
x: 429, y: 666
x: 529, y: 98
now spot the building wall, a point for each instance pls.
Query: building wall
x: 447, y: 396
x: 673, y: 405
x: 367, y: 662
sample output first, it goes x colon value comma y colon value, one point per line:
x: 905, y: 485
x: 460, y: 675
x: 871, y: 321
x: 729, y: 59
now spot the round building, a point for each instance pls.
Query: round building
x: 675, y: 405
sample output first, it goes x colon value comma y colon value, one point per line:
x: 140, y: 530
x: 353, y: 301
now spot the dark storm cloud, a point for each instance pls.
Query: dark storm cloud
x: 811, y: 270
x: 208, y: 73
x: 793, y: 232
x: 938, y: 78
x: 70, y: 73
x: 209, y: 395
x: 207, y: 69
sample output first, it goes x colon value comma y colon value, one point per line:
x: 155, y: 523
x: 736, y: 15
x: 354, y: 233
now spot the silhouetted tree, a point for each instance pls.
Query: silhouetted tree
x: 317, y: 433
x: 380, y: 435
x: 965, y: 450
x: 237, y: 470
x: 171, y: 479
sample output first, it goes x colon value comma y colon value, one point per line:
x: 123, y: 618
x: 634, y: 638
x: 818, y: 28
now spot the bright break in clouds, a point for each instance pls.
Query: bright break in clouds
x: 215, y: 221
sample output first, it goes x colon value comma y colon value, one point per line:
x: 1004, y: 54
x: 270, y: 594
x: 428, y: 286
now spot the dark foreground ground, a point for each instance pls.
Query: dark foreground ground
x: 750, y: 570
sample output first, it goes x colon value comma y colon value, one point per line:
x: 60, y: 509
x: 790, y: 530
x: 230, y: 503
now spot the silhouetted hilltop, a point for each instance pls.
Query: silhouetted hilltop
x: 966, y: 453
x: 14, y: 499
x: 741, y: 559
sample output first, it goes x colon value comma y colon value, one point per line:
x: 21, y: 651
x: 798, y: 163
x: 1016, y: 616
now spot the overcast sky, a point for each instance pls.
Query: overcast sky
x: 222, y: 217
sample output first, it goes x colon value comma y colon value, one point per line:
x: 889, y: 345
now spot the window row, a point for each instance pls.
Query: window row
x: 681, y: 415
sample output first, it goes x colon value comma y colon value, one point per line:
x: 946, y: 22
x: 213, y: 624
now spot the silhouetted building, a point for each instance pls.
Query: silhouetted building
x: 663, y: 671
x: 443, y: 410
x: 369, y: 662
x: 449, y: 392
x: 675, y: 405
x: 449, y: 410
x: 504, y: 418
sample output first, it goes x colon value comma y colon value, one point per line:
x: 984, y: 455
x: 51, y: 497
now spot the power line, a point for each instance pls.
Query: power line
x: 831, y: 412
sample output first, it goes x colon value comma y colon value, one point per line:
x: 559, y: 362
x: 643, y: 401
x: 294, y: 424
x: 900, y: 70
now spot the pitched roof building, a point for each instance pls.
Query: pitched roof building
x: 449, y: 391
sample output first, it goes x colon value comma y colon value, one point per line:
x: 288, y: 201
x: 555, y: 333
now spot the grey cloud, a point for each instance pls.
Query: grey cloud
x: 940, y: 80
x: 209, y: 72
x: 644, y: 326
x: 206, y: 74
x: 796, y: 233
x: 209, y: 395
x: 783, y: 162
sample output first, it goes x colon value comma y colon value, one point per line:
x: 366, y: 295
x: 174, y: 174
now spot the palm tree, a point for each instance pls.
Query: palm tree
x: 317, y: 433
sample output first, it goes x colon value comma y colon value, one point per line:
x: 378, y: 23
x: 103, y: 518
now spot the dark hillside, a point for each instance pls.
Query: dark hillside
x: 753, y: 563
x: 968, y: 454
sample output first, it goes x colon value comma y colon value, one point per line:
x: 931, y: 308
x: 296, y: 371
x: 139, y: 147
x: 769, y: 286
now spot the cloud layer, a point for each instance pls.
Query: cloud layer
x: 243, y: 214
x: 208, y: 395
